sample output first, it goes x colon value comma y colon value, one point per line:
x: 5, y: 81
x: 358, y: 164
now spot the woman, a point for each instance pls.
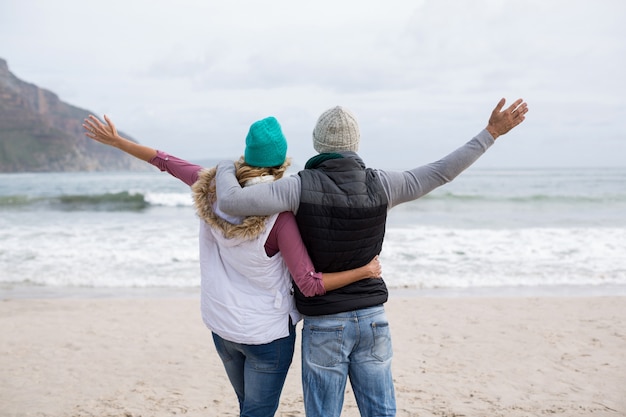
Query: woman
x: 246, y: 265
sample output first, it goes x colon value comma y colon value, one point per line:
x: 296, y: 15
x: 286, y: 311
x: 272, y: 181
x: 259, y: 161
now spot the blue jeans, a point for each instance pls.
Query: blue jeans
x: 257, y: 372
x: 354, y: 344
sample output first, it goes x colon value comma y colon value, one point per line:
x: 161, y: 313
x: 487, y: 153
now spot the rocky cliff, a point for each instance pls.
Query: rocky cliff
x: 40, y: 133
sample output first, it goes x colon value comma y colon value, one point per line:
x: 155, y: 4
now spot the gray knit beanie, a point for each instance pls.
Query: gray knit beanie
x: 336, y: 130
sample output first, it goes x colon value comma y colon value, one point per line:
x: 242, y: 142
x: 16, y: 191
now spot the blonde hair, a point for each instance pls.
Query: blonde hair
x: 245, y: 172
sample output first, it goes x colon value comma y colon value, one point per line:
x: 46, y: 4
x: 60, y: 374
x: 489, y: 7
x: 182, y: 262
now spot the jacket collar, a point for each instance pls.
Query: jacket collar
x: 319, y: 160
x: 204, y: 200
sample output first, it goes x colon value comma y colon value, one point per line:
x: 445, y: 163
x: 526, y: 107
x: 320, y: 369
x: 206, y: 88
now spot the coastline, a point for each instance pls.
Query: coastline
x: 479, y: 355
x: 21, y: 291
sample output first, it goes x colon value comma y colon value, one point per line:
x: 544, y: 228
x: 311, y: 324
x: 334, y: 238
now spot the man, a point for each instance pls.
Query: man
x: 341, y: 208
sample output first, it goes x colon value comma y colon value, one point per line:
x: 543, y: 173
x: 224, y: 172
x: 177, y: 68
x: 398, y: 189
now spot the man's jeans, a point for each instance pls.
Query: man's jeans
x: 355, y: 344
x: 257, y: 372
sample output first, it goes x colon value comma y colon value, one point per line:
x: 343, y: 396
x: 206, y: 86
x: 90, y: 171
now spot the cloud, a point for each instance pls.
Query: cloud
x: 191, y: 76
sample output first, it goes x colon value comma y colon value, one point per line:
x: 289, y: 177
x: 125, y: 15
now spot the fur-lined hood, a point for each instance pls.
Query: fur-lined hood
x: 204, y: 200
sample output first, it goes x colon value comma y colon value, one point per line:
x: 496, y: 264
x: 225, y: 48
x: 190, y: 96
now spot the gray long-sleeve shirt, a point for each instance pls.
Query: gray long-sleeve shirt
x: 400, y: 186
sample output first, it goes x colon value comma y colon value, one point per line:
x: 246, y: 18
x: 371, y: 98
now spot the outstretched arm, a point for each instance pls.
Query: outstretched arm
x: 108, y: 135
x: 403, y: 186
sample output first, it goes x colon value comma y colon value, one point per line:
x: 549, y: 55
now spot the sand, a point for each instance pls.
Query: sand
x: 453, y: 356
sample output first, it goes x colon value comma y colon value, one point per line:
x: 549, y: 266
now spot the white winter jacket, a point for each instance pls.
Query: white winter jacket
x: 246, y: 296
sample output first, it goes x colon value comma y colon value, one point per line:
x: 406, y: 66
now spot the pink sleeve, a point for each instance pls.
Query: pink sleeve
x: 296, y: 257
x: 179, y: 168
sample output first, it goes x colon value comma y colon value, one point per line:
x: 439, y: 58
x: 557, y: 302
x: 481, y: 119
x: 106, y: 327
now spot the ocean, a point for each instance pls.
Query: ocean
x: 501, y: 231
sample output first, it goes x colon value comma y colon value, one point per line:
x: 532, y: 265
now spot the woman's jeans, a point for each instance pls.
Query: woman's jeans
x: 257, y: 372
x: 355, y: 344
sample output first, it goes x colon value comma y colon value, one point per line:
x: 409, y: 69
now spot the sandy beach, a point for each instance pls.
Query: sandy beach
x: 454, y: 356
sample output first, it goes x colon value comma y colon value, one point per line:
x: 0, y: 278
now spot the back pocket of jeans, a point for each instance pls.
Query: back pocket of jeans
x: 382, y: 341
x: 325, y: 345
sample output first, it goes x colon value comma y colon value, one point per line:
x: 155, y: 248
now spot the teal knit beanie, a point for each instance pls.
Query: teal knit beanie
x: 266, y: 145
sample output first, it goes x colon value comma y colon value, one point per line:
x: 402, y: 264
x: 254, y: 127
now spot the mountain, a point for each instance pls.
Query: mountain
x: 40, y: 133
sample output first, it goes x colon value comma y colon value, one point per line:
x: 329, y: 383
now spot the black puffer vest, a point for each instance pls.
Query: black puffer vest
x: 341, y: 217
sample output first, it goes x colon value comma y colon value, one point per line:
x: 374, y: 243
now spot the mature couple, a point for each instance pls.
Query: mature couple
x: 322, y: 230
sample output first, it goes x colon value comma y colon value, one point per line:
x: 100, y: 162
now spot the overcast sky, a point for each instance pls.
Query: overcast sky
x: 422, y: 77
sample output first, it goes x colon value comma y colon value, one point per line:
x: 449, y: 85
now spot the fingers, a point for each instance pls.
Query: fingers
x: 502, y: 121
x: 519, y: 112
x: 375, y: 268
x: 93, y: 126
x: 109, y: 122
x: 516, y: 111
x: 111, y: 125
x: 498, y: 107
x: 513, y: 106
x: 89, y: 126
x: 379, y: 267
x: 92, y: 122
